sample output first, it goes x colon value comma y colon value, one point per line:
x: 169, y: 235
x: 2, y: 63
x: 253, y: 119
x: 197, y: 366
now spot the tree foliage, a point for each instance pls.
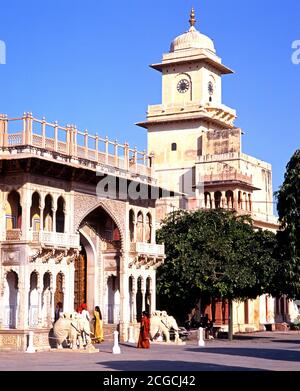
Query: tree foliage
x: 287, y: 278
x: 214, y: 253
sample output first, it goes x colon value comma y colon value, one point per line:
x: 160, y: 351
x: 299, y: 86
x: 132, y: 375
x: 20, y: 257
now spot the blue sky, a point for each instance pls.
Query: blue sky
x: 87, y: 63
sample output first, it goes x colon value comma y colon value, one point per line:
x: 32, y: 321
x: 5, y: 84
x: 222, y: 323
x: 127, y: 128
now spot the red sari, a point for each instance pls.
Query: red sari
x: 144, y: 338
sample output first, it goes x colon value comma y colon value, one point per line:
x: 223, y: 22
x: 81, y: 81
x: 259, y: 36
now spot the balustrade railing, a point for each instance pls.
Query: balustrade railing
x: 228, y: 176
x: 56, y: 239
x: 70, y: 141
x: 148, y: 248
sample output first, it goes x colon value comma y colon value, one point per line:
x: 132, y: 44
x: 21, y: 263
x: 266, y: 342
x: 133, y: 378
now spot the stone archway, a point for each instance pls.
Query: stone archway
x: 100, y: 241
x: 11, y: 300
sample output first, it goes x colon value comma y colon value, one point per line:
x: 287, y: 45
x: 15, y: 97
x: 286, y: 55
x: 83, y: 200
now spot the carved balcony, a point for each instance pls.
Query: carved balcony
x: 148, y: 249
x: 56, y: 239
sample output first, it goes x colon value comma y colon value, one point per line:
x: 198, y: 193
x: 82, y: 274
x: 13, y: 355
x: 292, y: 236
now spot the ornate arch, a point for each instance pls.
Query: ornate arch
x: 85, y: 204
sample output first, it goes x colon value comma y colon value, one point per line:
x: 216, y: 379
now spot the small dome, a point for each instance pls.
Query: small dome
x: 192, y: 39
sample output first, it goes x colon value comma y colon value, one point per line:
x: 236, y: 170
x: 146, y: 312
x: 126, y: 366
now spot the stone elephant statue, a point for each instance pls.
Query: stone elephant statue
x: 162, y: 323
x: 70, y: 328
x: 157, y: 327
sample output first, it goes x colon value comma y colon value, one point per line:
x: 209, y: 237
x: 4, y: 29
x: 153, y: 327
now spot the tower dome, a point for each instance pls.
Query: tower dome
x: 192, y: 39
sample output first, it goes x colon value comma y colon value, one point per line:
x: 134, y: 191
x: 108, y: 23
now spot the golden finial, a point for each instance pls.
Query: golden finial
x: 192, y: 18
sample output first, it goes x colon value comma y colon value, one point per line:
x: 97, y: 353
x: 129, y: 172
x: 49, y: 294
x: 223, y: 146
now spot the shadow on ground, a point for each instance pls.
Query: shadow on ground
x: 268, y: 354
x: 164, y: 365
x: 291, y: 341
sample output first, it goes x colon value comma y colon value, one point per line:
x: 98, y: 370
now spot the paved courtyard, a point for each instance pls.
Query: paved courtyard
x: 273, y: 351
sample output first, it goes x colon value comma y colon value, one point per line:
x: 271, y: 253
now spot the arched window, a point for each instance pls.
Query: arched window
x: 173, y: 147
x: 35, y: 218
x: 10, y: 300
x: 229, y: 199
x: 48, y: 214
x: 59, y: 292
x: 148, y: 228
x: 218, y: 199
x: 33, y: 300
x: 207, y: 200
x: 60, y: 215
x: 240, y: 200
x: 245, y: 201
x: 46, y: 299
x: 131, y: 225
x: 140, y: 226
x: 250, y: 202
x: 13, y: 211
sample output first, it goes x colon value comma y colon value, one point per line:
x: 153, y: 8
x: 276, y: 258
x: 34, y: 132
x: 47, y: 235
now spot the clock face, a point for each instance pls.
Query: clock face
x: 183, y: 86
x: 210, y: 88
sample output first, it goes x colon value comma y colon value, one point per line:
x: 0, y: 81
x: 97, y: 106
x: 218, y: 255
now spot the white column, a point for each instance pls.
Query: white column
x: 26, y: 204
x: 54, y: 229
x: 51, y: 315
x: 144, y: 300
x: 153, y: 293
x: 1, y: 303
x: 134, y: 229
x: 212, y: 197
x: 23, y: 299
x: 105, y: 309
x: 41, y: 218
x: 39, y: 307
x: 124, y: 297
x: 134, y: 292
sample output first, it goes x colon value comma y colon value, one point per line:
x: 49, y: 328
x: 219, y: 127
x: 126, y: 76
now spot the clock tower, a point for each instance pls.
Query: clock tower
x: 193, y: 138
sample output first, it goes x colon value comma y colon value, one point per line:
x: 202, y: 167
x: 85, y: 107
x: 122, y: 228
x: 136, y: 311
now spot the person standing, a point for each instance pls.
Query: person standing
x: 98, y: 325
x: 85, y: 313
x: 144, y: 337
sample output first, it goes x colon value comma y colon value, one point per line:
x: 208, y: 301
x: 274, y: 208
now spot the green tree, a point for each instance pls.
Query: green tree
x: 287, y: 277
x: 213, y: 253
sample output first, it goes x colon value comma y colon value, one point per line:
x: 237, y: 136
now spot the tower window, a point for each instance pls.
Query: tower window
x: 210, y: 99
x: 174, y: 147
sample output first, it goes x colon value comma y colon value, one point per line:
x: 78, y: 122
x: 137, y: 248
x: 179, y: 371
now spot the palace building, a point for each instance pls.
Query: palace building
x: 63, y: 239
x: 74, y: 227
x: 197, y: 151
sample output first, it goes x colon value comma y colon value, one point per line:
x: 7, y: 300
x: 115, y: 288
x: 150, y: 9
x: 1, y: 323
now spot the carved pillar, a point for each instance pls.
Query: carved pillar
x: 134, y: 230
x: 23, y: 300
x: 144, y: 229
x: 66, y: 225
x: 143, y: 291
x: 1, y: 302
x: 153, y: 293
x: 54, y: 219
x: 39, y: 307
x: 150, y: 292
x: 124, y: 296
x: 51, y: 315
x: 26, y: 204
x: 105, y: 307
x: 42, y: 217
x: 134, y: 293
x: 235, y: 199
x: 152, y: 231
x: 212, y: 197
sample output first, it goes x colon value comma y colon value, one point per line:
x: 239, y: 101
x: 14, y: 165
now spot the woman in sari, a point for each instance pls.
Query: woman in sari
x: 144, y: 337
x: 98, y: 325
